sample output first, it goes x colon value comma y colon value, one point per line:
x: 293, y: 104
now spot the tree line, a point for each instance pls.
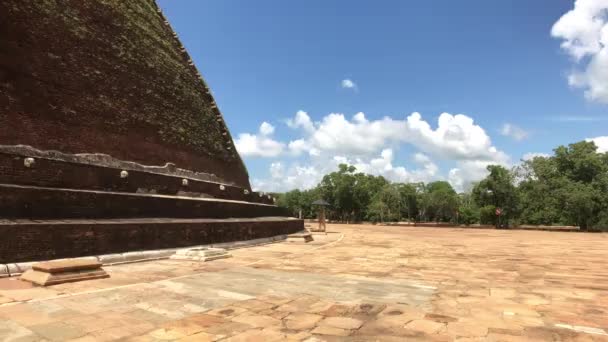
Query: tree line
x: 568, y: 188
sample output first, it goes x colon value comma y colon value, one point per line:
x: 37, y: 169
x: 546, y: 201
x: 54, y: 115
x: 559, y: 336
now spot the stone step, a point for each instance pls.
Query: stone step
x: 33, y: 240
x: 47, y: 172
x: 34, y: 202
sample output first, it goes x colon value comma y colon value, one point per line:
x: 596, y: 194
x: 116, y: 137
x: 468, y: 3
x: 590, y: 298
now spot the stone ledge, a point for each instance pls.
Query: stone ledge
x: 15, y: 269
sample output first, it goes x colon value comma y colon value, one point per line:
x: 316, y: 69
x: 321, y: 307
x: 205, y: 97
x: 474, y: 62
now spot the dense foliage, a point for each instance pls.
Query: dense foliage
x: 568, y: 188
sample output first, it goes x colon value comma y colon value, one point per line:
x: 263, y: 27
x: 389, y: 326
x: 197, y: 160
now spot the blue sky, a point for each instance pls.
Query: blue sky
x: 495, y: 62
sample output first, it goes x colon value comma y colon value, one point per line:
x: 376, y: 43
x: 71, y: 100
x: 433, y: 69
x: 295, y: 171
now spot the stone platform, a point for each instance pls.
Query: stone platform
x: 33, y: 240
x: 64, y: 271
x: 34, y: 202
x: 357, y: 283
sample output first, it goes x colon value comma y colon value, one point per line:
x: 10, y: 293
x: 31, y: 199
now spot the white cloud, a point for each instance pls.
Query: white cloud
x: 259, y: 145
x: 456, y: 136
x: 285, y: 179
x: 584, y: 31
x: 298, y: 176
x: 601, y: 143
x: 266, y: 128
x: 349, y: 84
x: 532, y: 155
x: 301, y: 120
x: 514, y: 132
x: 369, y: 145
x: 468, y: 172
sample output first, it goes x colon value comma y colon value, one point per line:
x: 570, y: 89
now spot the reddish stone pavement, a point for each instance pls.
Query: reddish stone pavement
x: 357, y: 283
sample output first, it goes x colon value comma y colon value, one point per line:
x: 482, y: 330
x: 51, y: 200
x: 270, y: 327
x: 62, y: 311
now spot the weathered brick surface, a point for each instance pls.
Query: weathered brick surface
x: 51, y: 203
x: 55, y: 173
x: 31, y: 241
x: 91, y: 76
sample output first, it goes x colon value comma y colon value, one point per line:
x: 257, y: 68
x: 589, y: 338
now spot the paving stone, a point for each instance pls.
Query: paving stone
x: 336, y: 310
x: 199, y: 337
x: 327, y: 330
x: 368, y: 309
x: 166, y: 334
x: 504, y: 338
x: 257, y: 321
x: 456, y: 283
x: 385, y: 325
x: 440, y: 318
x: 342, y: 323
x: 254, y: 305
x: 204, y: 320
x: 184, y: 327
x: 11, y: 331
x: 227, y: 311
x: 57, y: 331
x: 87, y: 338
x: 425, y: 326
x: 274, y: 313
x: 256, y: 335
x: 299, y: 336
x: 274, y: 300
x: 466, y: 329
x: 301, y: 321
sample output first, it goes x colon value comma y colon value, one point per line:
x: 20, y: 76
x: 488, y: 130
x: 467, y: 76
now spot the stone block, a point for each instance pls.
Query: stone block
x: 201, y: 254
x: 64, y: 271
x: 66, y: 265
x: 300, y: 237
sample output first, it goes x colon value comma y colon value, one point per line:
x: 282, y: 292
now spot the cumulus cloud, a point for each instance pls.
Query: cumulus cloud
x: 601, y: 143
x: 369, y: 145
x: 456, y: 136
x: 584, y: 34
x: 298, y: 176
x: 514, y: 132
x: 301, y: 120
x: 532, y: 155
x: 266, y: 128
x: 259, y: 145
x: 348, y: 84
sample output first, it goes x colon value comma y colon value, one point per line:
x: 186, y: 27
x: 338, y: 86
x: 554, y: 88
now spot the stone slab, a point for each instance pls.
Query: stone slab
x: 300, y: 237
x: 70, y: 265
x: 47, y: 279
x: 201, y: 254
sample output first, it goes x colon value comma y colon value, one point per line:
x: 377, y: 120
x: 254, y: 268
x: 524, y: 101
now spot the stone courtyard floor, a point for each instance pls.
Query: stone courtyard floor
x: 357, y: 283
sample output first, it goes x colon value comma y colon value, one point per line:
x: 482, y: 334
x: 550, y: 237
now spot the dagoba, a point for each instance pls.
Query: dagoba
x: 110, y: 139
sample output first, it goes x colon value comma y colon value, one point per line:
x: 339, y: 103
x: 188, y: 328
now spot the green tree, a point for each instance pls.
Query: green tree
x: 442, y: 201
x: 567, y: 188
x: 497, y: 190
x: 468, y: 212
x: 409, y: 203
x: 386, y: 204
